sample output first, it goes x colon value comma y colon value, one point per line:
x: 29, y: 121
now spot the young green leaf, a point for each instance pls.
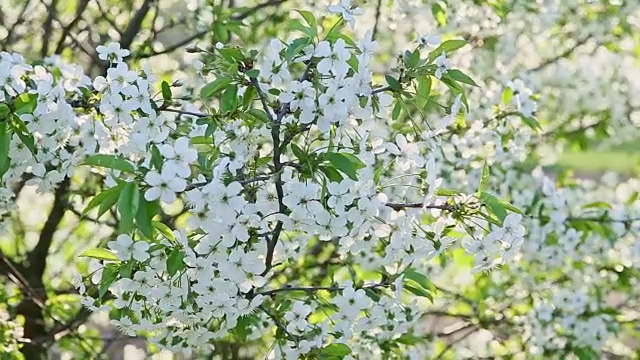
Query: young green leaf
x: 336, y: 350
x: 484, y: 178
x: 458, y: 75
x: 5, y: 140
x: 128, y: 203
x: 214, y: 87
x: 424, y: 89
x: 166, y: 92
x: 109, y: 276
x: 348, y: 164
x: 495, y: 205
x: 309, y: 18
x: 175, y: 261
x: 393, y: 83
x: 105, y: 200
x: 164, y: 230
x: 446, y: 47
x: 146, y: 211
x: 99, y: 254
x: 229, y: 101
x: 109, y: 161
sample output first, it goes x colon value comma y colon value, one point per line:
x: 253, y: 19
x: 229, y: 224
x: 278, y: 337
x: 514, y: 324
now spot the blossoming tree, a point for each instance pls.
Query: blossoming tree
x: 307, y: 195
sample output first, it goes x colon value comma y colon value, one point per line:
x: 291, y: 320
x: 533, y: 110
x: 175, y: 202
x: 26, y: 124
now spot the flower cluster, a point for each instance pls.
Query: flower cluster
x: 297, y: 199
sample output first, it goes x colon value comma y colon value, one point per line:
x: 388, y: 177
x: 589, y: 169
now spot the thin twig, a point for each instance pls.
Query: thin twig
x: 400, y: 206
x: 317, y: 288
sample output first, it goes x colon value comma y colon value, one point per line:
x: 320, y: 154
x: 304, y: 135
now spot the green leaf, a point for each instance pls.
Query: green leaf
x: 346, y: 163
x: 100, y: 254
x: 25, y: 104
x: 128, y: 203
x: 597, y: 204
x: 166, y: 91
x: 484, y: 179
x: 146, y: 211
x: 229, y: 101
x: 418, y: 284
x: 332, y: 174
x: 439, y: 14
x: 495, y: 205
x: 295, y: 48
x: 424, y: 89
x: 175, y: 262
x: 397, y: 108
x: 105, y: 200
x: 298, y: 152
x: 335, y: 350
x: 393, y: 83
x: 310, y: 19
x: 126, y: 269
x: 412, y: 59
x: 296, y: 25
x: 5, y: 140
x: 23, y: 133
x: 259, y: 114
x: 253, y: 73
x: 214, y: 87
x: 531, y: 122
x: 232, y: 55
x: 507, y: 95
x: 156, y: 157
x: 512, y: 208
x: 418, y: 291
x: 109, y: 275
x: 446, y: 47
x: 585, y: 353
x: 249, y: 95
x: 447, y: 192
x: 109, y: 161
x: 164, y: 230
x: 4, y: 111
x: 458, y: 75
x: 220, y: 32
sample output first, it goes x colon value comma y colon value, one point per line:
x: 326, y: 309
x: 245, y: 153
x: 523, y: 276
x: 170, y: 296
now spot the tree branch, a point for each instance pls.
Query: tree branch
x: 51, y: 14
x: 82, y: 6
x: 36, y: 258
x: 400, y: 206
x: 134, y: 25
x: 318, y: 288
x: 562, y: 55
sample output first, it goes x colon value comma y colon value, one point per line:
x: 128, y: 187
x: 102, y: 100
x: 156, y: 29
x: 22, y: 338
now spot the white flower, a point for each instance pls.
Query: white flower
x: 335, y: 59
x: 442, y: 65
x: 126, y: 248
x: 347, y: 10
x: 429, y: 40
x: 112, y: 52
x: 164, y: 186
x: 179, y: 157
x: 511, y: 228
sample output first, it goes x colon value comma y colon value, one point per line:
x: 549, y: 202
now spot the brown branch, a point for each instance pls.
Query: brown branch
x: 51, y: 14
x: 10, y: 31
x: 36, y: 258
x: 135, y: 24
x: 377, y: 16
x: 309, y: 289
x: 82, y: 6
x: 562, y: 55
x: 400, y: 206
